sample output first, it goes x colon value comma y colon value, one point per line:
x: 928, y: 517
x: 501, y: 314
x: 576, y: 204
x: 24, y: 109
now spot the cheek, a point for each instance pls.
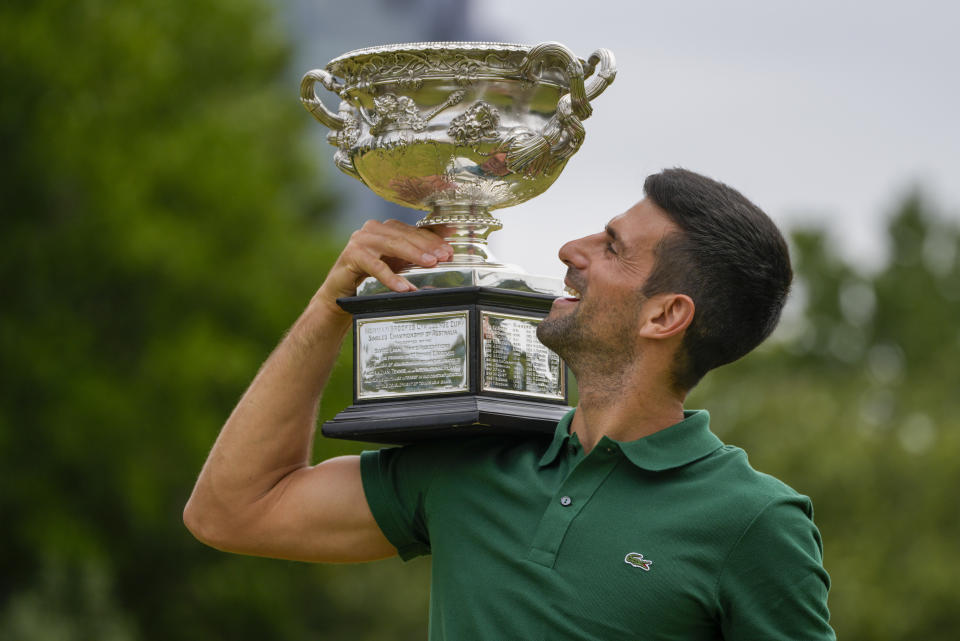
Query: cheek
x: 620, y: 313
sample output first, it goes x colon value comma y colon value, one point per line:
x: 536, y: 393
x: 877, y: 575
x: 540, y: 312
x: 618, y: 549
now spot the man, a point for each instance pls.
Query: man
x: 633, y: 522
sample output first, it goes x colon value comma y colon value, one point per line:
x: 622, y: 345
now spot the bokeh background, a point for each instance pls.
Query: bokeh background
x: 167, y: 208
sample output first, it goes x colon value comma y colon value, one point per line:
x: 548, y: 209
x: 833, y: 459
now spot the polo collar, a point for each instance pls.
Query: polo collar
x: 560, y: 437
x: 675, y: 446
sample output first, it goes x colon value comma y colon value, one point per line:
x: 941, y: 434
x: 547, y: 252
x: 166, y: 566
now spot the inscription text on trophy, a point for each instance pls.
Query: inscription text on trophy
x: 515, y: 362
x: 412, y: 355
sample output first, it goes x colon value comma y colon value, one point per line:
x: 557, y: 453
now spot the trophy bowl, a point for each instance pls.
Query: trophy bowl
x: 458, y: 128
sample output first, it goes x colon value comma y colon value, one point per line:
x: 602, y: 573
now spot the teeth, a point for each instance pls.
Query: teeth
x: 571, y: 291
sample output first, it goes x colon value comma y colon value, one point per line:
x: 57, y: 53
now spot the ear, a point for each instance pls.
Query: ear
x: 666, y: 315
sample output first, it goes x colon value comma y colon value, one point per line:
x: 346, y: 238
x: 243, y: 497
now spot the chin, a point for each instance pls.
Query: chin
x: 553, y: 331
x: 545, y: 333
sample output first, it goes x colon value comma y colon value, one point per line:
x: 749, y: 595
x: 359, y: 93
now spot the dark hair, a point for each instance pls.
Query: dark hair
x: 729, y: 257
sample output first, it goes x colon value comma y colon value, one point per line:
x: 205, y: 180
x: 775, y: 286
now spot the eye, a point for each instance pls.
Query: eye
x: 610, y: 250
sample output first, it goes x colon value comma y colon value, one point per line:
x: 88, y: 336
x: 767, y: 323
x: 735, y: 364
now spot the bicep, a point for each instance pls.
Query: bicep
x: 317, y: 513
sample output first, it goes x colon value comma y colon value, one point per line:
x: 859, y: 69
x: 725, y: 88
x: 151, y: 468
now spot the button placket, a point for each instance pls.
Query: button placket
x: 571, y: 497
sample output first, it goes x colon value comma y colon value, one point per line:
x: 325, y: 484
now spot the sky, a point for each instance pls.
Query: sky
x: 822, y: 113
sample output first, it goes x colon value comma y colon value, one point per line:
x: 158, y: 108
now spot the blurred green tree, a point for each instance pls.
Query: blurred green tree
x: 161, y: 227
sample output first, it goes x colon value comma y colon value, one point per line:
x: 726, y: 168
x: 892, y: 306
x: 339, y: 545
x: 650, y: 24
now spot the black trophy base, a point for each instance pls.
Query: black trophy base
x: 497, y: 367
x: 413, y: 420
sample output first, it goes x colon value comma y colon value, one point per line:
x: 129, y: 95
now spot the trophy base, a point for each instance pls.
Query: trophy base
x: 450, y: 361
x: 413, y: 420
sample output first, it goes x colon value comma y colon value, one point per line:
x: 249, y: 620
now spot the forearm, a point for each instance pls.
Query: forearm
x: 269, y: 433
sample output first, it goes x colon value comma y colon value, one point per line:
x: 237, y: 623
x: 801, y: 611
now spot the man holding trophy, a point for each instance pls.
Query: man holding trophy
x: 626, y: 518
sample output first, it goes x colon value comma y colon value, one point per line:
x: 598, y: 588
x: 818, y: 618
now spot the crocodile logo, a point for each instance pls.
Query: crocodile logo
x: 636, y: 560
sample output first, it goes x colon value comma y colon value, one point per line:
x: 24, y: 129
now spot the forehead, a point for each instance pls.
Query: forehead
x: 641, y: 226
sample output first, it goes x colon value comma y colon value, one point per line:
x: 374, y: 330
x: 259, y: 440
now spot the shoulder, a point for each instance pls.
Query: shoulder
x: 740, y: 485
x: 746, y: 508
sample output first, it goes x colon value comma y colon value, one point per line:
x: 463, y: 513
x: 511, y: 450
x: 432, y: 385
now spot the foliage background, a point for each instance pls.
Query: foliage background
x: 163, y: 223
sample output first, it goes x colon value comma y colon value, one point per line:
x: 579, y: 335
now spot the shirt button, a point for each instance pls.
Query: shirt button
x: 565, y: 501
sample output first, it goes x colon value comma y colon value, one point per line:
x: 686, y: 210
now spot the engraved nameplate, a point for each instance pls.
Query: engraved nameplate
x: 412, y: 355
x: 515, y: 362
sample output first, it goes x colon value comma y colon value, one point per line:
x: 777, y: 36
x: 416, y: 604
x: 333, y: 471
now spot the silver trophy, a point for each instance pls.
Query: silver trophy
x: 457, y: 129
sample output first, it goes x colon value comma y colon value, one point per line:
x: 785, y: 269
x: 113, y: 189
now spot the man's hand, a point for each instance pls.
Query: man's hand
x: 257, y: 493
x: 380, y: 250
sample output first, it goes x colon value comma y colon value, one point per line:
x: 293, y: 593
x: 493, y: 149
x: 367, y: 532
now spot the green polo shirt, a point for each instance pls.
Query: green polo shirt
x: 673, y: 536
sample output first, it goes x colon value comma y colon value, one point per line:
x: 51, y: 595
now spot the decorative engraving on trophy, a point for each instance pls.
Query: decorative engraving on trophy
x: 412, y: 355
x: 526, y: 152
x: 345, y: 138
x: 515, y: 362
x: 482, y: 192
x: 533, y: 153
x: 453, y: 99
x: 402, y: 112
x: 350, y: 134
x: 409, y: 69
x: 392, y: 109
x: 477, y: 124
x: 410, y: 81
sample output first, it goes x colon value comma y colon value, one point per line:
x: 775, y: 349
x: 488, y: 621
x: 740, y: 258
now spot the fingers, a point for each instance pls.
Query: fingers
x: 379, y: 269
x: 375, y: 246
x: 397, y: 240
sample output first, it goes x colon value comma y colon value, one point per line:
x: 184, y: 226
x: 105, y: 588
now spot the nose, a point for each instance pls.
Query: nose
x: 575, y: 253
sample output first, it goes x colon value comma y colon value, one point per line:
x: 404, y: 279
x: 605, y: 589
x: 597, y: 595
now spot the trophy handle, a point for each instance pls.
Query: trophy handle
x: 605, y: 75
x: 308, y: 96
x: 343, y: 130
x: 533, y: 153
x: 572, y: 69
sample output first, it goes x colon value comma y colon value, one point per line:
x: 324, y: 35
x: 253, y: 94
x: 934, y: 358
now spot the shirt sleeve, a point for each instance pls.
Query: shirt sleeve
x: 773, y: 585
x: 395, y: 482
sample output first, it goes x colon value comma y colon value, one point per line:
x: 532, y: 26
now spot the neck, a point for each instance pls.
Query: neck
x: 625, y: 409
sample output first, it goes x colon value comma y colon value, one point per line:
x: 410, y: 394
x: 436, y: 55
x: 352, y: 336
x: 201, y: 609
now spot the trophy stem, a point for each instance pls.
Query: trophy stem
x: 466, y: 228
